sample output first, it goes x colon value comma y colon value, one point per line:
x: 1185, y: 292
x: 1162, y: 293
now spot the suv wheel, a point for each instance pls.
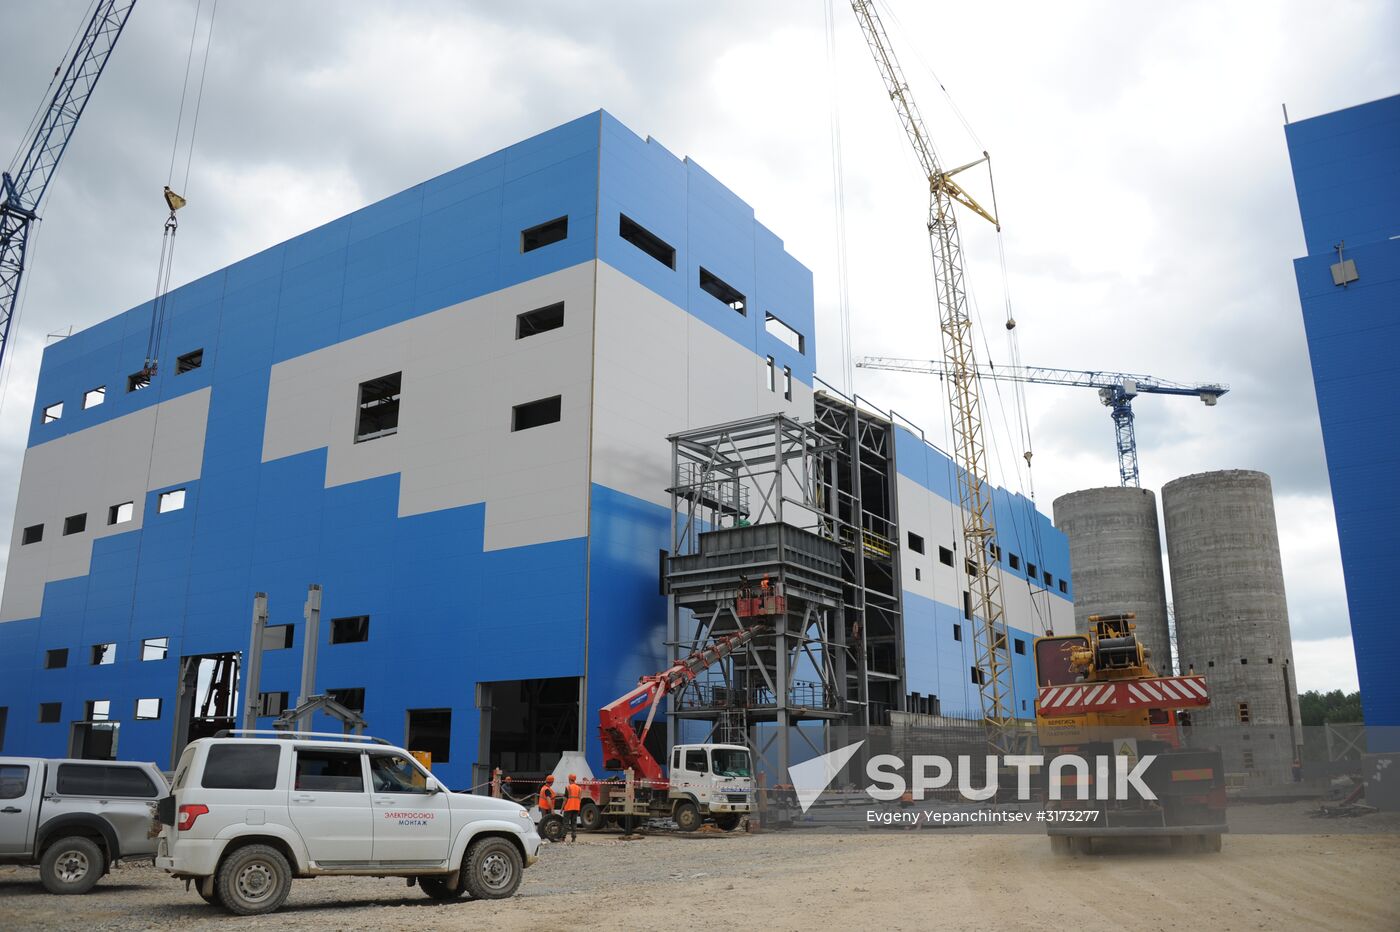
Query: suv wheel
x: 71, y: 865
x: 493, y: 869
x: 253, y: 880
x: 436, y: 888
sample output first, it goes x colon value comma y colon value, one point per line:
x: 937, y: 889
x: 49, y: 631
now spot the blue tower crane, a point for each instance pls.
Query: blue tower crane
x: 1116, y: 390
x: 24, y: 187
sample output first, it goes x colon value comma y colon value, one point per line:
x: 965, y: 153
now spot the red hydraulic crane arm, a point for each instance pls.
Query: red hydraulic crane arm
x: 623, y: 748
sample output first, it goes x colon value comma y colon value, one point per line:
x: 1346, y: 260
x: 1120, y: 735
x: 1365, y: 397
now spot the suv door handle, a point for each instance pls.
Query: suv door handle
x: 302, y: 799
x: 9, y: 809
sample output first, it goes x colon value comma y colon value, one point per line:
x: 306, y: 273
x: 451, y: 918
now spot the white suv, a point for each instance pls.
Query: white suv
x: 249, y: 812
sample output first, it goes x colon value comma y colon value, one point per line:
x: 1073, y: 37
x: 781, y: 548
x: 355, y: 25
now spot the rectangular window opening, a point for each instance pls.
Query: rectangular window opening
x: 189, y: 362
x: 1031, y: 572
x: 94, y: 397
x: 50, y: 712
x: 1020, y: 646
x: 536, y: 413
x: 138, y: 380
x: 1248, y: 760
x: 274, y: 703
x: 646, y: 241
x: 350, y: 630
x: 918, y: 574
x: 977, y: 677
x: 1015, y: 561
x: 722, y: 291
x: 1244, y: 713
x: 784, y: 333
x: 1049, y: 580
x: 971, y: 568
x: 99, y: 710
x: 147, y: 710
x: 75, y: 524
x: 430, y: 730
x: 957, y: 632
x: 379, y: 407
x: 967, y: 605
x: 120, y: 514
x: 543, y: 235
x: 56, y: 659
x: 53, y: 412
x: 1063, y: 586
x: 32, y: 534
x: 540, y: 320
x: 945, y: 556
x: 173, y: 500
x: 351, y: 697
x: 787, y: 383
x: 104, y: 655
x: 155, y: 648
x: 772, y: 374
x: 916, y: 543
x: 277, y: 637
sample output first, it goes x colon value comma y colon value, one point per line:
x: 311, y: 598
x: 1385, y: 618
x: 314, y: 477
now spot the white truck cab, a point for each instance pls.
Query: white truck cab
x: 717, y: 778
x: 250, y: 811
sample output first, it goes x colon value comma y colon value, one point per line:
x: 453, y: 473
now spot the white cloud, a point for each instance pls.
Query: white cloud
x: 1325, y: 664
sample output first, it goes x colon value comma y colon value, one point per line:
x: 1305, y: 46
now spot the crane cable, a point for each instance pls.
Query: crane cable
x: 173, y: 200
x: 838, y: 188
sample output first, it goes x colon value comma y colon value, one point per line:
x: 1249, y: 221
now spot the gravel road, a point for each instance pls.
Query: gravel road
x: 802, y: 879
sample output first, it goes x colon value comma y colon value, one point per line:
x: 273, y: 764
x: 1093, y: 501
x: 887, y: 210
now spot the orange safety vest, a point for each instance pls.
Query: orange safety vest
x: 546, y: 799
x: 573, y: 797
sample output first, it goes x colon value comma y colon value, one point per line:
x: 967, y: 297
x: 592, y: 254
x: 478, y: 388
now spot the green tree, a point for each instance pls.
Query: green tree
x: 1337, y: 707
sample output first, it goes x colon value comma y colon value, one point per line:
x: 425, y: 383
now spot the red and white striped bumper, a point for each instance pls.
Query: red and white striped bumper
x: 1163, y: 692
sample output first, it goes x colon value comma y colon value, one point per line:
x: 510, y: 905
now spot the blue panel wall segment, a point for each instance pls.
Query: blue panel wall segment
x: 1346, y: 171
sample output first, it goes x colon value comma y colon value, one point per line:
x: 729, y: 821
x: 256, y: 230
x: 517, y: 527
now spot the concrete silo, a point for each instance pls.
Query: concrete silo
x: 1231, y: 614
x: 1115, y: 558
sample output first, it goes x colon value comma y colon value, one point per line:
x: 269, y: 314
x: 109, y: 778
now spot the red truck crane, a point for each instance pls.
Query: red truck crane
x: 712, y: 781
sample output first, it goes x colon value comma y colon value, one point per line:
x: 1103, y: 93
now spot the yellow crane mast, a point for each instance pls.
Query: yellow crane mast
x: 979, y: 532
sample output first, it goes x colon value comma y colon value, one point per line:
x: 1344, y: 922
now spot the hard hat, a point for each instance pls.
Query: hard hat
x: 573, y: 777
x: 549, y: 779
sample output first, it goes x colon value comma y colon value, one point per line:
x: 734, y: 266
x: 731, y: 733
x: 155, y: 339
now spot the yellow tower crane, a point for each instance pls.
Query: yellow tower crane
x: 979, y: 533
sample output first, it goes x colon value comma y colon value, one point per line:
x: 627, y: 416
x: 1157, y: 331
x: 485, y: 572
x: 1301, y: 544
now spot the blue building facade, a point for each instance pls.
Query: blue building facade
x: 448, y: 409
x: 1346, y: 170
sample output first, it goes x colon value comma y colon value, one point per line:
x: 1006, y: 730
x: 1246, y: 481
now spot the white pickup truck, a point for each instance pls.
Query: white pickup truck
x: 251, y: 811
x: 76, y: 818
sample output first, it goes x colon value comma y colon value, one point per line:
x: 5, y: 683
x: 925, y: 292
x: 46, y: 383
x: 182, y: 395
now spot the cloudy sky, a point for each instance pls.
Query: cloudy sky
x: 1141, y: 174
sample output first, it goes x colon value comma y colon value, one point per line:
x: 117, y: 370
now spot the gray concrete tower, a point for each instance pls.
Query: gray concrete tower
x: 1115, y: 558
x: 1231, y: 614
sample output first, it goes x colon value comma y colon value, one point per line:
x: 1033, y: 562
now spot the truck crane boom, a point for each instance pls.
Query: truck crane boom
x: 25, y: 187
x: 1116, y: 390
x: 993, y: 664
x: 624, y: 747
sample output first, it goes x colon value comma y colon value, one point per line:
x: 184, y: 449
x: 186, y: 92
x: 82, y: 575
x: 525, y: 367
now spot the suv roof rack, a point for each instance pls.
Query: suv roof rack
x: 278, y: 733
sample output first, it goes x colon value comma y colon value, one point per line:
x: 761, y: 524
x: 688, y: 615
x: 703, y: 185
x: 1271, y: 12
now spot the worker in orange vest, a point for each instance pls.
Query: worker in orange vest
x: 547, y: 796
x: 573, y: 802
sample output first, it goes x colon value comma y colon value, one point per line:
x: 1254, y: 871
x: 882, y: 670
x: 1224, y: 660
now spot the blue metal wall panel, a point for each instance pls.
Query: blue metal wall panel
x: 938, y: 664
x: 1346, y: 169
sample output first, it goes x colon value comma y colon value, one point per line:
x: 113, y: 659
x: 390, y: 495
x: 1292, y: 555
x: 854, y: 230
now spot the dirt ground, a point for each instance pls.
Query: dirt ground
x: 800, y: 879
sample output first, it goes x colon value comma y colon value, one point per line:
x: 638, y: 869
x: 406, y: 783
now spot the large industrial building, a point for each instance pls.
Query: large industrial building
x: 451, y: 410
x: 1346, y: 169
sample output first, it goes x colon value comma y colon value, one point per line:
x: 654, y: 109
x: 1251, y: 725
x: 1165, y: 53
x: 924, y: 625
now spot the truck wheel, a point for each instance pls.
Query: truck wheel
x: 1081, y: 844
x: 687, y: 816
x: 253, y: 880
x: 1059, y: 845
x: 552, y: 828
x: 1210, y: 844
x: 494, y: 869
x: 590, y: 817
x: 727, y: 821
x: 436, y: 888
x: 71, y: 865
